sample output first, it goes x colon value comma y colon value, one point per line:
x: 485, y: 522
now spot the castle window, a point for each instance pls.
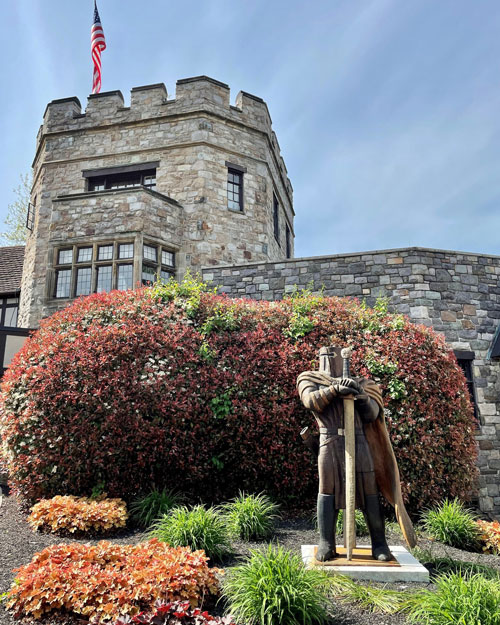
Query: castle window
x: 65, y: 256
x: 148, y: 274
x: 151, y: 269
x: 104, y: 278
x: 84, y: 255
x: 82, y: 270
x: 149, y: 253
x: 126, y: 250
x: 63, y: 283
x: 167, y: 258
x: 105, y: 252
x: 276, y: 223
x: 235, y: 190
x: 288, y: 242
x: 83, y: 281
x: 465, y: 360
x: 125, y: 277
x: 122, y: 177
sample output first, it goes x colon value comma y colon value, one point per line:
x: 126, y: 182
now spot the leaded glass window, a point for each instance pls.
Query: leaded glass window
x: 65, y: 257
x: 84, y: 255
x: 126, y: 250
x: 63, y: 283
x: 105, y: 252
x: 104, y: 278
x: 83, y: 281
x: 125, y: 277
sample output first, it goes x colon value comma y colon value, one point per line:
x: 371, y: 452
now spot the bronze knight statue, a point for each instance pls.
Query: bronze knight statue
x: 376, y: 469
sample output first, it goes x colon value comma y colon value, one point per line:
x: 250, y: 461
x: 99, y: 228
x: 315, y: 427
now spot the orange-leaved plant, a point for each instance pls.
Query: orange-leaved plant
x: 105, y: 581
x: 490, y: 536
x: 78, y: 514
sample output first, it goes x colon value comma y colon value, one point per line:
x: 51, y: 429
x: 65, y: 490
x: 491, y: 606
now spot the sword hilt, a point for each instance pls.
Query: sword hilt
x: 346, y: 362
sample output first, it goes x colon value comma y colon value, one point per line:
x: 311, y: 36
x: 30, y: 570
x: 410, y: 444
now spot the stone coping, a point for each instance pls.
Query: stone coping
x: 90, y: 194
x: 396, y: 250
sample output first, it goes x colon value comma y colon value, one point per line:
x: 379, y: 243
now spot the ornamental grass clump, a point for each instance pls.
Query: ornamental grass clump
x: 145, y: 510
x: 197, y: 527
x: 251, y: 517
x: 368, y: 597
x: 273, y: 587
x: 452, y: 524
x: 78, y: 514
x: 458, y: 599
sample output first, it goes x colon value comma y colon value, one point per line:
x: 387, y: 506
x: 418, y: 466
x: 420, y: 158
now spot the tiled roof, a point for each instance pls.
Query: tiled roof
x: 11, y: 268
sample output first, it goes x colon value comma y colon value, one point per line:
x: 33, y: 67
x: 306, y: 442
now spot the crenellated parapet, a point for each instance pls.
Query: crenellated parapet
x: 192, y: 94
x: 151, y: 103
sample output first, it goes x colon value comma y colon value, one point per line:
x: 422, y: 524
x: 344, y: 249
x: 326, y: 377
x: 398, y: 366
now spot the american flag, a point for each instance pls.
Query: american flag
x: 97, y: 45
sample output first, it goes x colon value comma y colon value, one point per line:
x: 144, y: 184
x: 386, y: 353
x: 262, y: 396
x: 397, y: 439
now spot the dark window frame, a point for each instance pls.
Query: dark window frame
x: 288, y: 244
x: 157, y: 265
x: 132, y: 179
x: 94, y: 263
x: 240, y: 184
x: 465, y: 360
x: 6, y: 306
x: 276, y: 223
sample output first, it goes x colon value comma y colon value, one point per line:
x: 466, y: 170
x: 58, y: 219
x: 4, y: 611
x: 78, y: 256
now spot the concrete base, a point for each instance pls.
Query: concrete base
x: 406, y: 568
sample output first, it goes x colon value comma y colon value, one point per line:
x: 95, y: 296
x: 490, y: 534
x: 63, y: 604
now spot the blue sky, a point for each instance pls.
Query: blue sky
x: 387, y: 111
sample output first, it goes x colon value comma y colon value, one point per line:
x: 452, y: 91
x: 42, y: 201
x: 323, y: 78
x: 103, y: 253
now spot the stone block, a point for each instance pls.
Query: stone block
x: 419, y: 312
x: 448, y: 315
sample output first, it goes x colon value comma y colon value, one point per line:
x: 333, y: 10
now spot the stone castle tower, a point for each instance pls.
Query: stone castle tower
x: 124, y: 194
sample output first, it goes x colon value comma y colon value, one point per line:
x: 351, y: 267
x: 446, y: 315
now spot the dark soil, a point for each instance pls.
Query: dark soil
x: 19, y: 543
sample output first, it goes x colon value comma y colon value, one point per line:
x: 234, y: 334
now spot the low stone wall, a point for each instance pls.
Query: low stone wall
x: 456, y: 293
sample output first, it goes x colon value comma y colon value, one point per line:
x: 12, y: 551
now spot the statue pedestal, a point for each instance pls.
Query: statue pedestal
x: 405, y: 568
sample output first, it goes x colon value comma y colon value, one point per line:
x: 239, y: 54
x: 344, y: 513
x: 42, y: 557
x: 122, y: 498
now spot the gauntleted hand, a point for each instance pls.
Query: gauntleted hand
x: 346, y: 386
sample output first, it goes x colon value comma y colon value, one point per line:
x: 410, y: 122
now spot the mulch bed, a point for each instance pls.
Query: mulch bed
x: 19, y: 543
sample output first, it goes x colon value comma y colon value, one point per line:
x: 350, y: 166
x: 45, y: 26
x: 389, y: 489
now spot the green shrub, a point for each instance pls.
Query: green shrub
x: 273, y: 587
x: 153, y: 505
x: 458, y: 599
x: 198, y: 528
x: 452, y: 524
x: 251, y: 517
x: 361, y: 526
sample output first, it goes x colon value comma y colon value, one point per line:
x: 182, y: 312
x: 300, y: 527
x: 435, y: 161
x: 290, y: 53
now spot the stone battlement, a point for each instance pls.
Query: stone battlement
x: 151, y: 102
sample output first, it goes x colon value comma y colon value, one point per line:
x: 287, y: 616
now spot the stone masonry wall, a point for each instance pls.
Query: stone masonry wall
x: 194, y: 138
x: 456, y: 293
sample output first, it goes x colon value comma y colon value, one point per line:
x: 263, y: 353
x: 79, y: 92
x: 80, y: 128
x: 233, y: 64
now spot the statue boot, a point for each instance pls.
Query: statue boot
x: 375, y: 521
x: 327, y: 518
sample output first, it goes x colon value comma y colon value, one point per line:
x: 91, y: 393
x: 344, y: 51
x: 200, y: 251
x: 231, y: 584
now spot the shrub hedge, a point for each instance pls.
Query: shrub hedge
x: 176, y: 386
x: 78, y: 514
x: 104, y: 581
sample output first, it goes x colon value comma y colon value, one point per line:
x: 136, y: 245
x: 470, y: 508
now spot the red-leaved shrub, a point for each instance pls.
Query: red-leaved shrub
x: 71, y: 514
x: 179, y: 387
x: 175, y: 613
x: 490, y: 536
x: 105, y: 581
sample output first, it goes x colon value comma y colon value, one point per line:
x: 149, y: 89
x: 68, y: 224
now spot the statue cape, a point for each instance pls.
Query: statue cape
x: 377, y: 437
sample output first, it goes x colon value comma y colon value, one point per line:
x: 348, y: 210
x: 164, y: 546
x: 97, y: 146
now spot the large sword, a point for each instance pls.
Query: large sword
x: 350, y: 463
